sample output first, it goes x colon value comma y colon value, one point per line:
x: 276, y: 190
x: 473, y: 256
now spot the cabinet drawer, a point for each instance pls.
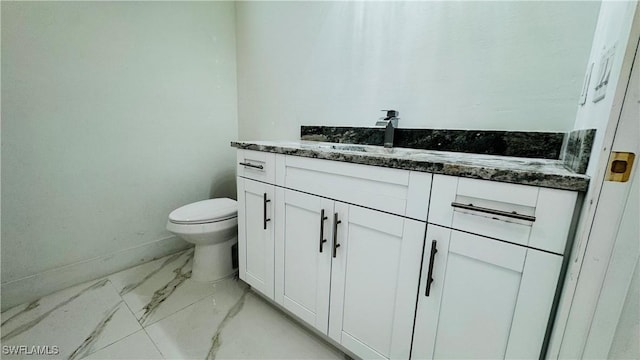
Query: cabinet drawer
x: 521, y: 214
x: 396, y: 191
x: 256, y: 165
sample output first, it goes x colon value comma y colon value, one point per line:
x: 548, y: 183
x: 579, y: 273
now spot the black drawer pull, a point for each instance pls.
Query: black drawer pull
x: 264, y: 218
x: 251, y: 165
x: 335, y: 234
x: 432, y: 257
x: 322, y: 219
x: 513, y: 215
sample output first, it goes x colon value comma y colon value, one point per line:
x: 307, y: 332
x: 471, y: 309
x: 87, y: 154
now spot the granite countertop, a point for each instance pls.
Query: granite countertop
x: 526, y: 171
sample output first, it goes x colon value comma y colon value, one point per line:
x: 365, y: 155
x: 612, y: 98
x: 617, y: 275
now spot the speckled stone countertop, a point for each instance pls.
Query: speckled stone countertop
x: 526, y: 171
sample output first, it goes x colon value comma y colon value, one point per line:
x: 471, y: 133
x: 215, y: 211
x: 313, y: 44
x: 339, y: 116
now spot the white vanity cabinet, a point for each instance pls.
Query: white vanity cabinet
x: 342, y: 247
x: 490, y: 269
x: 349, y: 271
x: 304, y: 233
x: 374, y: 282
x: 488, y: 299
x: 336, y: 244
x: 368, y: 309
x: 255, y: 219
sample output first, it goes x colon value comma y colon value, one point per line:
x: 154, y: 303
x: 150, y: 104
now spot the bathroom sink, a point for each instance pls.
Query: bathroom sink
x: 372, y: 149
x: 332, y: 146
x: 377, y: 150
x: 349, y: 147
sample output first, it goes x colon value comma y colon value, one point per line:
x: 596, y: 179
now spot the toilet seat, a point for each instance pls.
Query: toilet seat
x: 205, y: 212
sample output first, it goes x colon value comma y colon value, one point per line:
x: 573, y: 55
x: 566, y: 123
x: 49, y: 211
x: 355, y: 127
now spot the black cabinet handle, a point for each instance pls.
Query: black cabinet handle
x: 513, y: 215
x: 265, y: 211
x: 335, y: 233
x: 251, y: 165
x: 432, y: 257
x: 322, y: 219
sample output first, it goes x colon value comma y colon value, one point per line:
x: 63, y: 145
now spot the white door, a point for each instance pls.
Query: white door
x: 256, y: 234
x: 616, y: 225
x: 488, y: 299
x: 303, y: 255
x: 607, y: 249
x: 374, y: 282
x: 615, y: 330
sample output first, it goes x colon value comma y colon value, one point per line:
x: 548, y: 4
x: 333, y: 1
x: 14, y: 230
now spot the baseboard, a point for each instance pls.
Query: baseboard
x: 32, y: 287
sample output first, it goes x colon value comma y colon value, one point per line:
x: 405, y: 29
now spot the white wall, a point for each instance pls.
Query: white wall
x: 114, y: 113
x: 480, y: 65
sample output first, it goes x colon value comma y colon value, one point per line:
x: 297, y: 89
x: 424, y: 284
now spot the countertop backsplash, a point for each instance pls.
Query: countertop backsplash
x: 538, y: 145
x: 577, y: 150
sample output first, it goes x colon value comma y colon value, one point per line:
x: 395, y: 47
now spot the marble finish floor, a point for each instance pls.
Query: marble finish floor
x: 155, y: 311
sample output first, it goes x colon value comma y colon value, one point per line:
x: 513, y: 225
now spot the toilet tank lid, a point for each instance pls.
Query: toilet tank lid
x: 206, y: 210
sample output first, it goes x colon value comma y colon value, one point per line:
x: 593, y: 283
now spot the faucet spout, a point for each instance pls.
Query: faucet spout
x: 391, y: 121
x: 389, y: 133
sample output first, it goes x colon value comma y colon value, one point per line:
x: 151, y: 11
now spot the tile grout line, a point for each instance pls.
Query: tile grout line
x: 164, y: 317
x: 125, y: 303
x: 154, y: 343
x: 142, y: 328
x: 173, y: 313
x: 180, y: 310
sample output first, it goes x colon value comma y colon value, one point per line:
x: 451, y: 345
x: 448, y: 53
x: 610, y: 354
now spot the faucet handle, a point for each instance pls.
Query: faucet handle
x: 391, y: 114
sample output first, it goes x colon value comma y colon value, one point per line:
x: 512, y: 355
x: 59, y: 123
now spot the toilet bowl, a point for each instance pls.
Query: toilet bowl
x: 212, y: 225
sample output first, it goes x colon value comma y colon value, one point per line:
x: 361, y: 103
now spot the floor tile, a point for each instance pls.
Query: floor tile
x: 78, y: 320
x: 235, y: 323
x: 188, y: 333
x: 161, y: 287
x: 135, y: 346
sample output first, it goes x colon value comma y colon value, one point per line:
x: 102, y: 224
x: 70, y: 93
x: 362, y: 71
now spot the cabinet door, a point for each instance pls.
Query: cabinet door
x: 303, y: 255
x: 374, y: 281
x: 256, y: 234
x: 488, y: 299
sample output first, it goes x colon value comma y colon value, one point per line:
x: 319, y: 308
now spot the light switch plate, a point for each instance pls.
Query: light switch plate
x: 604, y: 73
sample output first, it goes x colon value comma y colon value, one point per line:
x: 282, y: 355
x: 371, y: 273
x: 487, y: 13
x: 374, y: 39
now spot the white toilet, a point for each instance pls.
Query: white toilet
x: 212, y: 225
